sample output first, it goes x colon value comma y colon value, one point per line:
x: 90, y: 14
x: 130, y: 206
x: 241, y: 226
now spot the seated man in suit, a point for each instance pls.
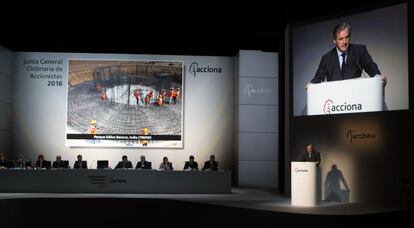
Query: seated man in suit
x: 22, y: 163
x: 79, y: 164
x: 345, y: 60
x: 311, y: 155
x: 4, y: 163
x: 124, y: 164
x: 211, y: 164
x: 41, y: 163
x: 59, y: 164
x: 165, y: 165
x: 191, y: 165
x: 143, y: 164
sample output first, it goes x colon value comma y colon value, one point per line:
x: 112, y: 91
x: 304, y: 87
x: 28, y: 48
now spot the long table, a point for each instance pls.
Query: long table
x: 115, y: 181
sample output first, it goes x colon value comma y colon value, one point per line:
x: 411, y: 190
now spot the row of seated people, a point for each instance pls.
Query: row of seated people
x: 41, y: 163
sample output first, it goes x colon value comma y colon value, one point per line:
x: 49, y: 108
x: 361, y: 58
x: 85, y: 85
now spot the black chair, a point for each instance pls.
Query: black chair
x: 65, y: 164
x: 48, y: 164
x: 102, y: 164
x: 10, y: 164
x: 27, y: 164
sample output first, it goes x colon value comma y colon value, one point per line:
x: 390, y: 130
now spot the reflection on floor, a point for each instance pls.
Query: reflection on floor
x: 248, y: 198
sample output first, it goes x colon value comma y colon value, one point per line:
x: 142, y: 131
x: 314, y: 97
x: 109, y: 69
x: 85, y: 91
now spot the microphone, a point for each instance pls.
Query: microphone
x: 359, y: 67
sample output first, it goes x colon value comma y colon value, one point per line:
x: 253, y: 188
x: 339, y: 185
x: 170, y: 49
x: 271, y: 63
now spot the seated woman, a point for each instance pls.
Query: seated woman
x: 165, y: 165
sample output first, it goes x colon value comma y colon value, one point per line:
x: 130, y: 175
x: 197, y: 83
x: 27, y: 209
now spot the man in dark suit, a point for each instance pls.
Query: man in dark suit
x: 21, y: 163
x: 346, y: 60
x: 59, y: 164
x: 124, y: 164
x: 143, y: 164
x: 79, y: 164
x: 211, y: 164
x: 191, y: 164
x: 311, y: 155
x: 4, y: 163
x: 41, y: 163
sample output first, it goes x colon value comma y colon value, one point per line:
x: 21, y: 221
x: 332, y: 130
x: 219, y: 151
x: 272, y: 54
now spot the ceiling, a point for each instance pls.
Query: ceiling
x: 191, y: 30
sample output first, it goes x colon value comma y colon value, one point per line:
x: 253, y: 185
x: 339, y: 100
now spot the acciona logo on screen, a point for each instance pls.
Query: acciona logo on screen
x: 330, y: 107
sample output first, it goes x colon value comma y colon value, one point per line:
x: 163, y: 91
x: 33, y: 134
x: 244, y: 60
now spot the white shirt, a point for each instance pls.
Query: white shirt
x: 339, y: 53
x: 340, y: 57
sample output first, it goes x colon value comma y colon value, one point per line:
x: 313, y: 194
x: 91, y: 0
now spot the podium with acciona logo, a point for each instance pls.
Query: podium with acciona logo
x: 346, y: 96
x: 304, y: 184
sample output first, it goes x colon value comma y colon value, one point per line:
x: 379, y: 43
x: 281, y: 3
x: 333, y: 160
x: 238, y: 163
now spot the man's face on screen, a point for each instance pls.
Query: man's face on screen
x: 342, y: 40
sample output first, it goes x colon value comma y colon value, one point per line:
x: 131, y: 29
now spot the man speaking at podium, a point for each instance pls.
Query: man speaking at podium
x: 311, y: 155
x: 345, y: 60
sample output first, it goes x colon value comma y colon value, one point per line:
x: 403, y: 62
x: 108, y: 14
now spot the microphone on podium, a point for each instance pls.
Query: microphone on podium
x: 359, y: 66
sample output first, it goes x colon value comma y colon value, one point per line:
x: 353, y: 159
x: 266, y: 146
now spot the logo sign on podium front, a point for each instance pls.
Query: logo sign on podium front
x: 303, y: 184
x: 346, y: 96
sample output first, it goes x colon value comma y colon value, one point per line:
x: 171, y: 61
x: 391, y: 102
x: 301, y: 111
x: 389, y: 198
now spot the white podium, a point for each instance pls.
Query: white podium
x: 346, y: 96
x: 304, y: 184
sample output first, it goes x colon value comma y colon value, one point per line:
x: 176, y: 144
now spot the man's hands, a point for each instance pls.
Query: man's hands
x: 307, y: 84
x: 384, y: 80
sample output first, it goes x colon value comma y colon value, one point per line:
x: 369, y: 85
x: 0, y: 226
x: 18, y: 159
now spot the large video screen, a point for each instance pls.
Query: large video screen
x: 125, y: 103
x: 356, y: 63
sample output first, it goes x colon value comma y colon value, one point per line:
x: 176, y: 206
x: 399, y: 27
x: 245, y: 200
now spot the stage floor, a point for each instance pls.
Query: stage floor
x: 248, y: 198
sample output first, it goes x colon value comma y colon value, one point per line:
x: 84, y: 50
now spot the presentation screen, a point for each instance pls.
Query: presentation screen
x: 351, y: 64
x: 125, y: 103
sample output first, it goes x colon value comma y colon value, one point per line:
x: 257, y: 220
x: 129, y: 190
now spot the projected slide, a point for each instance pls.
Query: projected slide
x: 125, y: 103
x: 356, y: 63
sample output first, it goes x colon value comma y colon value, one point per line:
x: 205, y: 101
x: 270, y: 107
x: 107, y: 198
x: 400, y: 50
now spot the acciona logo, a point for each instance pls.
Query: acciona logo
x: 114, y: 181
x: 330, y: 107
x: 196, y: 69
x: 249, y: 90
x: 297, y: 170
x: 353, y: 135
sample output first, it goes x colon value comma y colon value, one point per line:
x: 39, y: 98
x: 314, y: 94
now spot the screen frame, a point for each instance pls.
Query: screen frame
x: 366, y: 9
x: 288, y: 118
x: 183, y: 72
